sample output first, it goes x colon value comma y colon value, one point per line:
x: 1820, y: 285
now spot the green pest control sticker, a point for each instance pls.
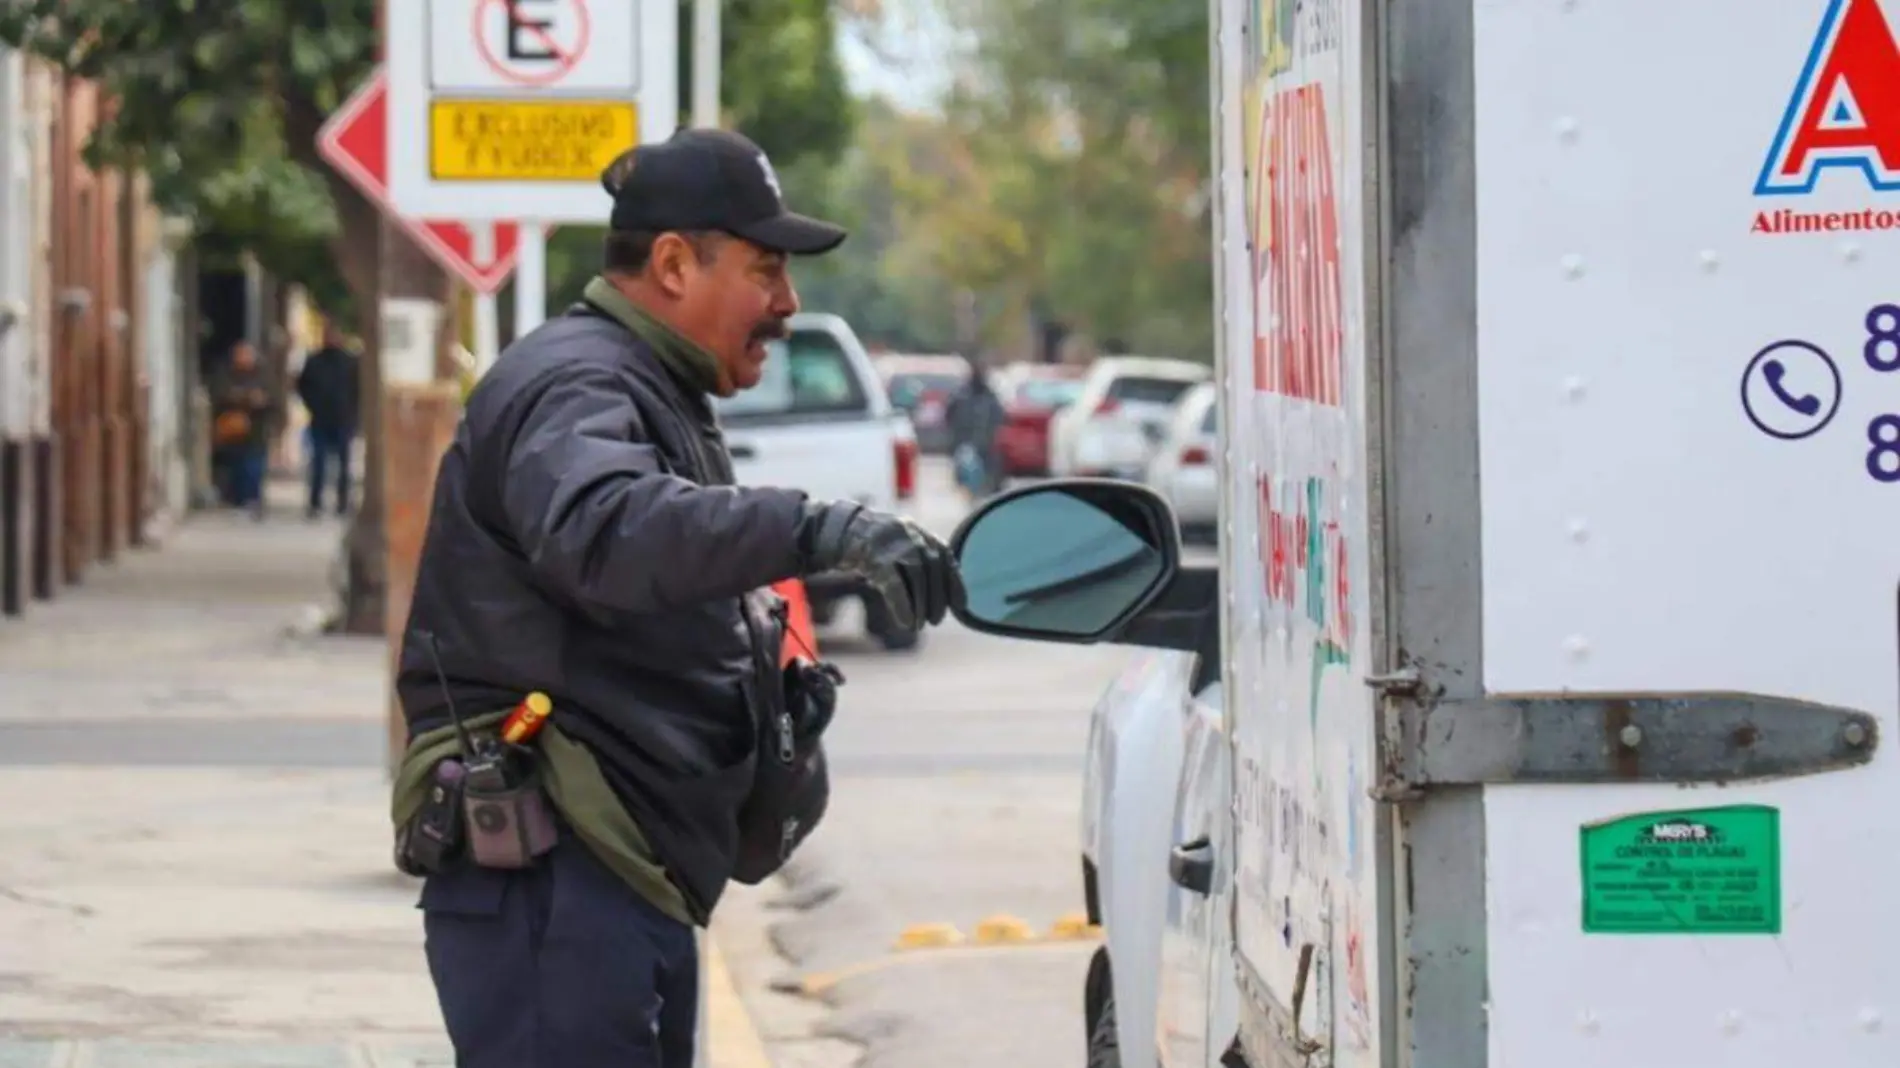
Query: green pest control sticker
x: 1696, y: 871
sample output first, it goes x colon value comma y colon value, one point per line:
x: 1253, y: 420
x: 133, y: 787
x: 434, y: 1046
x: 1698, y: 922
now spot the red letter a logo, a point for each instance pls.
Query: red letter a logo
x: 1845, y: 111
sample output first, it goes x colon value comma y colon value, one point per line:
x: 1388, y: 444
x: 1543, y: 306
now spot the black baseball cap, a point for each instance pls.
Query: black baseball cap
x: 701, y: 179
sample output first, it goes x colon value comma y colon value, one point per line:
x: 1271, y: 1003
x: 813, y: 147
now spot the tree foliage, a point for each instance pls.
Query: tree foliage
x: 219, y: 101
x: 1063, y: 178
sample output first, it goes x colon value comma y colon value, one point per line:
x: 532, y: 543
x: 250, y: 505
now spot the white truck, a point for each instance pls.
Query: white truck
x: 820, y: 421
x: 1538, y: 321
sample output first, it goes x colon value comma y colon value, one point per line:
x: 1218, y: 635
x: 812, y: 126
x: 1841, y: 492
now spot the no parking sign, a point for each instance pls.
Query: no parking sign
x: 512, y: 108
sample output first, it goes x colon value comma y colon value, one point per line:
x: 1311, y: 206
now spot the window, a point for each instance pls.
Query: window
x: 907, y: 388
x: 1208, y: 425
x: 1049, y: 392
x: 1143, y: 390
x: 805, y: 374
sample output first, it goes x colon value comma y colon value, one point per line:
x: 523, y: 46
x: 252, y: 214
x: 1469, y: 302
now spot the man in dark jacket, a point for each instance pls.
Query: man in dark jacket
x: 242, y: 418
x: 327, y: 385
x: 587, y: 542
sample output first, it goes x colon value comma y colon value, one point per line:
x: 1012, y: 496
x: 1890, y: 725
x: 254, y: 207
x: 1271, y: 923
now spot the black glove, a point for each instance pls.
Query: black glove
x: 811, y: 695
x: 905, y: 565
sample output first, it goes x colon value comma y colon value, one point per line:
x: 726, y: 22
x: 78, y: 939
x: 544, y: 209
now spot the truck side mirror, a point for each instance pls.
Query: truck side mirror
x: 1072, y: 560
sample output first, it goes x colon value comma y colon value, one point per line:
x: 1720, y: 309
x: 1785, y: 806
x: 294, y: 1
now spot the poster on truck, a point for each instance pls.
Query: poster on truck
x: 1300, y: 712
x: 1688, y: 264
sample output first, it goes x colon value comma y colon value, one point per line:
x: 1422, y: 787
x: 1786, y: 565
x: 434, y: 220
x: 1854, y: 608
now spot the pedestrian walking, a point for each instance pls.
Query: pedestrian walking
x: 242, y: 418
x: 328, y: 385
x: 587, y: 542
x: 974, y: 415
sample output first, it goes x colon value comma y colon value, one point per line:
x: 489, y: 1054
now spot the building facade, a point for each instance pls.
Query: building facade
x: 97, y: 369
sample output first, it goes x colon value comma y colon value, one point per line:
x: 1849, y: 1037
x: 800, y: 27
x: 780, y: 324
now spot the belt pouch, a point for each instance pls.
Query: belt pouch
x: 509, y: 828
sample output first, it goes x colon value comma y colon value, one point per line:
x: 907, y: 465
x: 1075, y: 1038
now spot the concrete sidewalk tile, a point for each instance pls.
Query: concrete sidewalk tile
x: 433, y: 1055
x: 215, y: 1055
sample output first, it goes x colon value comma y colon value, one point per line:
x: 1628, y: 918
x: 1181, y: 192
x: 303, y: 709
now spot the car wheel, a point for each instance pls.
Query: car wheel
x: 1104, y: 1047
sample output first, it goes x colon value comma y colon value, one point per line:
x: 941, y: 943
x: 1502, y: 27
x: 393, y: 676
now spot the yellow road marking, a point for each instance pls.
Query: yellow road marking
x: 929, y: 936
x: 1000, y: 929
x: 1074, y: 926
x: 732, y: 1038
x: 818, y: 984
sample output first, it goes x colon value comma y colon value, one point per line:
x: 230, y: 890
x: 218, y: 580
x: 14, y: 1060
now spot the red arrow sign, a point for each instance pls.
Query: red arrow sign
x: 355, y: 141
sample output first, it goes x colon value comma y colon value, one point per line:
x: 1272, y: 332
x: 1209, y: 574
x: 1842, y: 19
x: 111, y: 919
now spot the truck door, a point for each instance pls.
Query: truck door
x: 1295, y: 203
x: 1643, y: 495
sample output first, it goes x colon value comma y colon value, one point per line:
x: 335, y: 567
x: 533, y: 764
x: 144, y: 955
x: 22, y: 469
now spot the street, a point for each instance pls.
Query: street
x: 197, y: 840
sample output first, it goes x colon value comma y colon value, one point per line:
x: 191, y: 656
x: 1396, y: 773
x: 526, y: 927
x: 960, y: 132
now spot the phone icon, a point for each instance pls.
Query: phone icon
x: 1773, y: 372
x: 1791, y: 390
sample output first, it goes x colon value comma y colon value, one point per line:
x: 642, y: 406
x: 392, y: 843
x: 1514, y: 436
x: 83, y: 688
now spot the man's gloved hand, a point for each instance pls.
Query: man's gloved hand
x: 910, y: 569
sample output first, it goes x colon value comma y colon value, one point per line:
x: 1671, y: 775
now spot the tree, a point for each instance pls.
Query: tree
x: 221, y: 101
x: 1064, y: 177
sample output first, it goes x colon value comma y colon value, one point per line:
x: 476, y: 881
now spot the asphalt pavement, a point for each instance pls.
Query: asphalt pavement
x: 955, y: 816
x: 191, y: 793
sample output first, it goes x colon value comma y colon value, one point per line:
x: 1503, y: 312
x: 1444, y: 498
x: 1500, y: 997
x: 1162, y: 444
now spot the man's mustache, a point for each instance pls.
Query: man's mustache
x: 772, y: 330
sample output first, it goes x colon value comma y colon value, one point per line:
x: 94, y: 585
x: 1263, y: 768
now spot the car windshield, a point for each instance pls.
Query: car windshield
x: 907, y: 387
x: 1145, y: 390
x: 1048, y: 392
x: 808, y: 372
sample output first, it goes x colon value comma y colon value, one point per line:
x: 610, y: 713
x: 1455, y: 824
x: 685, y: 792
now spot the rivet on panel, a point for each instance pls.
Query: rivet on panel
x: 1854, y: 735
x: 1579, y: 531
x: 1850, y: 252
x: 1731, y: 1023
x: 1567, y: 130
x: 1870, y: 1021
x: 1631, y: 736
x: 1573, y: 266
x: 1577, y: 647
x: 1710, y: 261
x: 1573, y: 388
x: 1588, y: 1023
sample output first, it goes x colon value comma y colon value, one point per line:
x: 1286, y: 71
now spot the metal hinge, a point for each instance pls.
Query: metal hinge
x: 1608, y: 738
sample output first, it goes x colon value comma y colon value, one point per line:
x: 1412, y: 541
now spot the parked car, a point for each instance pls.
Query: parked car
x: 1184, y: 469
x: 1032, y: 394
x: 1155, y: 779
x: 920, y: 386
x: 820, y: 421
x: 1120, y: 415
x: 1161, y: 989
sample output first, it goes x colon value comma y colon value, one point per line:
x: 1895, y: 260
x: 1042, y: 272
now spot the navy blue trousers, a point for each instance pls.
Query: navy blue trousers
x: 561, y: 965
x: 327, y: 447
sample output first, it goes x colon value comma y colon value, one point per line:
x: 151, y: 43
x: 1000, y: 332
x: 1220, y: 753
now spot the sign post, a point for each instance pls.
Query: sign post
x: 511, y: 109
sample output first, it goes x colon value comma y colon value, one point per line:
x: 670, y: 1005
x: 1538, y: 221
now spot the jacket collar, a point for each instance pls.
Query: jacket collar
x: 688, y: 362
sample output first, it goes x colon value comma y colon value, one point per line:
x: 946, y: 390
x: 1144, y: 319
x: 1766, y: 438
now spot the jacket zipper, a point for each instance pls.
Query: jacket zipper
x: 763, y: 659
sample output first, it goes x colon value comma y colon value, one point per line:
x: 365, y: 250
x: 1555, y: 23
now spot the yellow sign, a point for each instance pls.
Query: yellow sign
x: 522, y: 141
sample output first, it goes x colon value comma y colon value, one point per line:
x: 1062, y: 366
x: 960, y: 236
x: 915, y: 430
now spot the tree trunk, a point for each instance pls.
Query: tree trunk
x: 378, y: 258
x: 360, y: 254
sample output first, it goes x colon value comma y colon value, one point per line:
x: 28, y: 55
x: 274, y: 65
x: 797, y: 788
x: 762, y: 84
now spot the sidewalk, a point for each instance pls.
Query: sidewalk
x: 194, y: 846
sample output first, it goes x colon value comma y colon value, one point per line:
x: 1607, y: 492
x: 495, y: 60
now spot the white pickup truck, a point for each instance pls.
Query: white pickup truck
x: 820, y: 421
